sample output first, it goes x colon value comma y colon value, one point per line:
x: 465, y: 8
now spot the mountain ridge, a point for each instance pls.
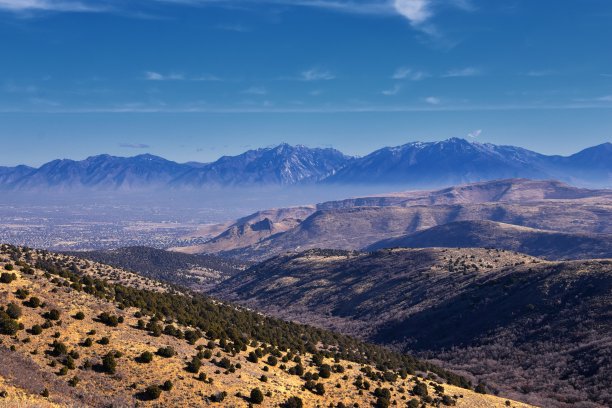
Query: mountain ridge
x: 416, y: 164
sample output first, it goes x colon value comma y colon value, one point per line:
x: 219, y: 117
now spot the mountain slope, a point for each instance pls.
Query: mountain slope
x: 414, y: 165
x: 508, y: 317
x: 489, y: 234
x: 456, y: 161
x: 80, y: 334
x: 360, y: 222
x: 101, y: 172
x: 281, y: 165
x: 198, y: 272
x: 448, y: 162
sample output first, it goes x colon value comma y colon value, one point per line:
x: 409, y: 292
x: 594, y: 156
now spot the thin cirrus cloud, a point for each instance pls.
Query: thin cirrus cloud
x: 432, y: 100
x: 50, y: 5
x: 156, y: 76
x: 463, y: 72
x: 417, y: 12
x: 255, y: 90
x: 408, y: 73
x: 392, y: 91
x: 134, y: 145
x: 316, y: 74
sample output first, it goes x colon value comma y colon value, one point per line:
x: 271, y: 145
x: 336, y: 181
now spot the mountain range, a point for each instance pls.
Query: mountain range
x: 416, y: 164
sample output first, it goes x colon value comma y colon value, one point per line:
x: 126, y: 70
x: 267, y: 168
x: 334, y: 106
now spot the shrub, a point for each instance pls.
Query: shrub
x: 52, y: 314
x: 109, y: 364
x: 319, y: 389
x: 293, y: 402
x: 79, y: 316
x: 88, y: 342
x: 325, y: 371
x: 7, y: 277
x: 13, y: 311
x: 9, y: 267
x: 58, y: 349
x: 104, y: 341
x: 108, y: 319
x: 8, y: 326
x: 272, y: 360
x: 152, y: 392
x: 225, y: 363
x: 34, y: 302
x: 36, y: 329
x: 414, y: 403
x: 146, y: 357
x: 253, y: 357
x: 218, y: 396
x: 257, y: 396
x: 420, y: 390
x: 74, y: 381
x: 481, y: 388
x: 22, y: 293
x: 166, y: 352
x: 194, y: 365
x: 167, y: 385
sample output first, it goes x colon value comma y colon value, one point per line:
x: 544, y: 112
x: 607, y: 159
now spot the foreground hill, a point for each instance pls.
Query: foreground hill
x: 72, y: 336
x: 508, y: 317
x: 489, y: 234
x: 357, y: 223
x: 199, y: 272
x: 413, y: 165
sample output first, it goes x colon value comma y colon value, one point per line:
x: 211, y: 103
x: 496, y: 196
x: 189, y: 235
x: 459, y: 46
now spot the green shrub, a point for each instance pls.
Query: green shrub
x: 152, y: 392
x: 293, y: 402
x: 109, y: 364
x: 146, y: 357
x: 166, y: 352
x: 257, y: 396
x: 13, y: 311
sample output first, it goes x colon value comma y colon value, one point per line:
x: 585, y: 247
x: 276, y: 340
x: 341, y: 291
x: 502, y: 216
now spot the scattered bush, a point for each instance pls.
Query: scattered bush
x: 257, y: 396
x: 146, y: 357
x: 152, y: 392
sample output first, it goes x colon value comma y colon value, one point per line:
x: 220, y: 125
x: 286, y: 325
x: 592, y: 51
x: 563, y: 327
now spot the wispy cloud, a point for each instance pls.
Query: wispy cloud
x: 392, y: 91
x: 134, y: 145
x: 540, y: 73
x: 433, y: 100
x: 409, y: 73
x: 463, y: 72
x: 255, y: 90
x: 156, y: 76
x: 474, y: 134
x: 417, y: 12
x: 316, y: 74
x: 18, y: 6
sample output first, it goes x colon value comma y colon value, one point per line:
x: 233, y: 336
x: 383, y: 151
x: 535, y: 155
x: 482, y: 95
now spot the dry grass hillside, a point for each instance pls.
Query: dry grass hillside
x: 357, y: 223
x: 490, y: 234
x: 69, y: 337
x: 538, y: 331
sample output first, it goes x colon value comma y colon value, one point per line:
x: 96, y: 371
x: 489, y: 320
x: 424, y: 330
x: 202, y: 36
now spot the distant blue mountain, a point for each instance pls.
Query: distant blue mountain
x: 280, y: 165
x: 455, y: 161
x: 444, y: 163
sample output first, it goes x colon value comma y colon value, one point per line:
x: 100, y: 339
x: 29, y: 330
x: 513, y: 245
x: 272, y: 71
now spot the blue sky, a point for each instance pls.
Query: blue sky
x: 196, y: 79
